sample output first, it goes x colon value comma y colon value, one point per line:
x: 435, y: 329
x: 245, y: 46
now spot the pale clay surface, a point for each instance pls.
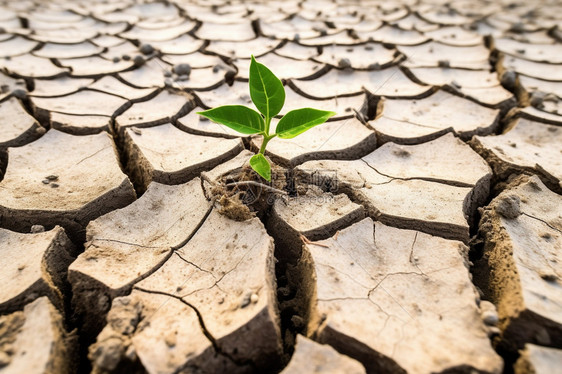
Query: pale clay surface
x: 163, y: 287
x: 176, y: 212
x: 538, y: 360
x: 18, y: 127
x: 311, y: 357
x: 22, y: 184
x: 526, y: 145
x: 398, y: 276
x: 40, y: 272
x: 42, y: 345
x: 415, y: 121
x: 437, y: 202
x: 219, y: 283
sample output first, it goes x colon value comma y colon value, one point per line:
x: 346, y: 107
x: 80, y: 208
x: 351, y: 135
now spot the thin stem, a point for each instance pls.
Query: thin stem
x: 266, y: 136
x: 266, y: 139
x: 267, y: 123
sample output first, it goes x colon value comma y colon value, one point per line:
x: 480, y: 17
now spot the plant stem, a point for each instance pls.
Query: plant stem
x: 267, y: 123
x: 266, y: 139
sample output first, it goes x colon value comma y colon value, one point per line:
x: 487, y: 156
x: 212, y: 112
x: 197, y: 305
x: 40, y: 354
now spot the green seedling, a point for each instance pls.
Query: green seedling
x: 268, y: 95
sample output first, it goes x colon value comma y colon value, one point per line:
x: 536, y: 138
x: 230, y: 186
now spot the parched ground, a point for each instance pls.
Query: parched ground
x: 418, y: 231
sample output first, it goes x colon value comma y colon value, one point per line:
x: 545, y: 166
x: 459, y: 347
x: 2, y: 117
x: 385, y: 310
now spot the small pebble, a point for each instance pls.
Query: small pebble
x: 139, y: 60
x: 54, y: 185
x: 116, y: 59
x: 19, y: 93
x: 182, y: 69
x: 490, y: 318
x: 146, y: 49
x: 508, y: 79
x: 443, y: 63
x: 45, y: 181
x: 126, y: 57
x: 230, y: 74
x: 37, y: 228
x: 297, y: 321
x: 52, y: 177
x: 344, y: 63
x: 167, y: 73
x: 254, y: 298
x: 537, y: 99
x: 518, y: 28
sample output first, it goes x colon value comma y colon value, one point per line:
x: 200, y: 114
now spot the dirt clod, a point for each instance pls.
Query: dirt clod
x: 37, y: 229
x: 509, y: 206
x: 234, y: 208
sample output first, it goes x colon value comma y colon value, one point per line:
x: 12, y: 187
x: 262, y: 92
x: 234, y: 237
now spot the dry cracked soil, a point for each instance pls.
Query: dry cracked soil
x: 418, y: 231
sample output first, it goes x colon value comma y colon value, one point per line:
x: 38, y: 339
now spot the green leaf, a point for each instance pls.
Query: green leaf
x: 260, y: 164
x: 266, y: 90
x: 237, y: 117
x: 298, y: 121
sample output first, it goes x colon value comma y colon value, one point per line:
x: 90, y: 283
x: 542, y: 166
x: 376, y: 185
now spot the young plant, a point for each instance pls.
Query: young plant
x: 268, y: 95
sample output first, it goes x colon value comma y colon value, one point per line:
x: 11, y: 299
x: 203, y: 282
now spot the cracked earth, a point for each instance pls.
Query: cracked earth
x: 419, y: 230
